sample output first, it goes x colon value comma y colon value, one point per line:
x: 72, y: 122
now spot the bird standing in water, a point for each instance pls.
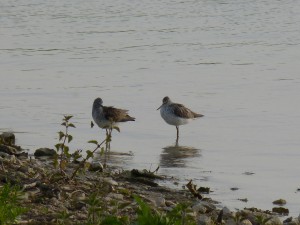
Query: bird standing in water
x: 176, y: 114
x: 107, y: 117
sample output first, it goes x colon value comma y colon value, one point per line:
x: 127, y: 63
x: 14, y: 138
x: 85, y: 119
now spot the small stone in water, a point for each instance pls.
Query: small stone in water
x: 280, y: 210
x: 8, y: 138
x: 243, y: 199
x: 204, y: 190
x: 44, y: 152
x: 279, y: 202
x: 234, y: 189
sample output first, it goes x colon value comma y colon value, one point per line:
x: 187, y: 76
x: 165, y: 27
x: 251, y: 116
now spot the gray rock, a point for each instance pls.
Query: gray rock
x: 170, y: 203
x: 8, y: 138
x: 4, y: 155
x: 231, y: 221
x: 274, y: 221
x: 44, y: 152
x: 115, y: 196
x: 279, y: 202
x: 293, y: 222
x: 96, y: 166
x: 110, y: 181
x: 226, y: 212
x: 159, y: 201
x: 204, y: 220
x: 199, y: 208
x: 245, y: 222
x: 209, y: 206
x: 8, y: 149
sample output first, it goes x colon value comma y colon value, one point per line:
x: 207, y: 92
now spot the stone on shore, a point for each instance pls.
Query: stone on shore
x: 96, y: 166
x: 8, y: 138
x: 44, y: 152
x: 9, y: 150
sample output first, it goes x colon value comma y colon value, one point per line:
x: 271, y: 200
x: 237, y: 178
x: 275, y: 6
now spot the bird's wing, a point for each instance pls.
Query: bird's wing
x: 181, y: 111
x: 116, y: 115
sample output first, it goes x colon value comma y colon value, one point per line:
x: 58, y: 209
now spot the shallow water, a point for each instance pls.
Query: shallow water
x: 236, y: 62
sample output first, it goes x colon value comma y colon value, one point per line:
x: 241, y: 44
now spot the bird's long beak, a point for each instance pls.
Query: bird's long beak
x: 160, y: 107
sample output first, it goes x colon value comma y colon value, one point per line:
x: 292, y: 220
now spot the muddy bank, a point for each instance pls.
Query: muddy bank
x: 53, y: 198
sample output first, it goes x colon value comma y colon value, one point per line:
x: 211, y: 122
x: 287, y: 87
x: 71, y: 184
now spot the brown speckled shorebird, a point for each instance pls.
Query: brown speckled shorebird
x: 106, y: 117
x: 176, y: 114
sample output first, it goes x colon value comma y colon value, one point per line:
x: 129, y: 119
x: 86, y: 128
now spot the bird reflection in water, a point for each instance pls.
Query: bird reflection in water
x: 175, y: 156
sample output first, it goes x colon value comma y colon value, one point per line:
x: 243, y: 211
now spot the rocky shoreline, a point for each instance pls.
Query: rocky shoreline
x: 52, y: 198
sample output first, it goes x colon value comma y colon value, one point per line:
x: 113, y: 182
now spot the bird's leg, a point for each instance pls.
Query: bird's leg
x: 177, y: 128
x: 176, y: 142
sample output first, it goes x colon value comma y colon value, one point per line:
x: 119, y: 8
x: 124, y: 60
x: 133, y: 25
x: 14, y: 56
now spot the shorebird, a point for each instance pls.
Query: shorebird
x: 106, y: 117
x: 176, y: 114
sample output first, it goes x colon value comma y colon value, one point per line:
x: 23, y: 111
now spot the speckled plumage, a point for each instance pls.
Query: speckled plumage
x: 176, y: 114
x: 107, y: 116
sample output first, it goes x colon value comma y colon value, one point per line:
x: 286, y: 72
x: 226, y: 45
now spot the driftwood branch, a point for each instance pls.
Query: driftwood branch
x: 193, y: 190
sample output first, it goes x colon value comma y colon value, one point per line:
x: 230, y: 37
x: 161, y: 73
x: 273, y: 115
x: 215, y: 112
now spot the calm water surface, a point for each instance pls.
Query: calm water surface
x: 235, y: 61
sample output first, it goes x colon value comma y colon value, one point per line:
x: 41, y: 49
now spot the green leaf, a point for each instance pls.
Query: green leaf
x: 89, y: 154
x: 93, y: 142
x: 66, y: 151
x: 64, y: 124
x: 67, y: 118
x: 58, y: 146
x: 71, y: 125
x: 61, y: 135
x: 70, y: 138
x: 116, y: 128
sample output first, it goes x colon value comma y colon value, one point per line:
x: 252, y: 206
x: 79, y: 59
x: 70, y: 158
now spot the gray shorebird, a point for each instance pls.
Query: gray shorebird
x: 176, y: 114
x: 106, y: 117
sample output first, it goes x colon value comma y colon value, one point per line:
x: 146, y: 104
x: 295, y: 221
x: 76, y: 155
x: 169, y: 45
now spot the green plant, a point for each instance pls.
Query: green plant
x: 94, y: 208
x: 63, y: 155
x: 147, y: 216
x: 97, y: 212
x: 63, y: 217
x: 89, y: 154
x: 10, y: 206
x: 261, y: 219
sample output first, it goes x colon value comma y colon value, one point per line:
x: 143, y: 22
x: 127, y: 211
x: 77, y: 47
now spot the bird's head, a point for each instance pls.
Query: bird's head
x: 165, y: 101
x: 97, y: 102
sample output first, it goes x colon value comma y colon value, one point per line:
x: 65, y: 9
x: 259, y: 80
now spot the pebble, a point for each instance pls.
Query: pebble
x: 160, y: 201
x: 96, y: 166
x: 109, y: 180
x: 246, y: 222
x: 204, y: 220
x: 170, y: 203
x: 115, y: 196
x: 274, y: 221
x: 79, y: 196
x: 199, y: 208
